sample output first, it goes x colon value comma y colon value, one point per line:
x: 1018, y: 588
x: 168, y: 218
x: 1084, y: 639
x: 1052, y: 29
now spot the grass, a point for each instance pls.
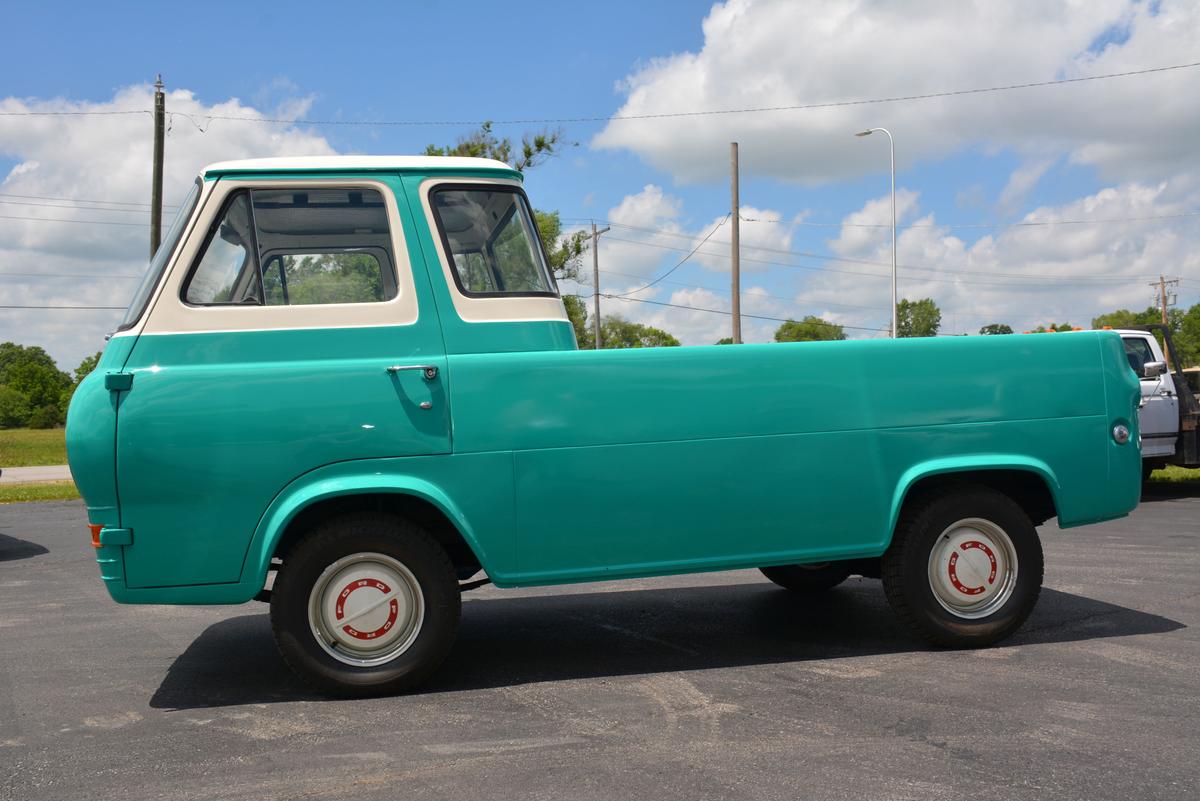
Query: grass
x: 1172, y: 474
x: 30, y: 447
x: 38, y: 491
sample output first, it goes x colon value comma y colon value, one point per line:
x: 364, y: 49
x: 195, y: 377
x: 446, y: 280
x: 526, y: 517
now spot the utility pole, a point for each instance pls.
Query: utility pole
x: 735, y: 244
x: 160, y: 107
x: 1165, y: 301
x: 596, y: 280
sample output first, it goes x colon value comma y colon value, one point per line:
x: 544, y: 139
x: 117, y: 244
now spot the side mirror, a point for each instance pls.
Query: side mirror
x: 1153, y: 369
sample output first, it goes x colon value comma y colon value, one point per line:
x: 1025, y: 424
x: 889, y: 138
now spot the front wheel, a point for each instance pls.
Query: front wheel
x: 964, y: 568
x: 366, y: 604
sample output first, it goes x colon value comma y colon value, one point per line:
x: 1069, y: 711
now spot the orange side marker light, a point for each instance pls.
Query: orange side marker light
x: 95, y: 534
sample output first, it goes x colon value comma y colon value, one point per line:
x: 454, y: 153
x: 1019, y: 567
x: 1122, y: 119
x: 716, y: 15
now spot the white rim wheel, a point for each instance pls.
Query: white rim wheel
x: 973, y: 568
x: 366, y: 609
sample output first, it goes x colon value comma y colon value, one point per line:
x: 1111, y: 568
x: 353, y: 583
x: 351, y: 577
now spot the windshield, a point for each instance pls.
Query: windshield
x: 159, y: 263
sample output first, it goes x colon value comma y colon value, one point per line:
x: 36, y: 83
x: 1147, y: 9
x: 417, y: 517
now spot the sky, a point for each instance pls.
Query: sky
x: 1026, y: 206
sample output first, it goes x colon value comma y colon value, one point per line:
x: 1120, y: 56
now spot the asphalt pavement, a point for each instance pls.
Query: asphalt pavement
x: 716, y: 686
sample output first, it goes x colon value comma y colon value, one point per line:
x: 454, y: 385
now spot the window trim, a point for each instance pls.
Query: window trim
x: 449, y: 253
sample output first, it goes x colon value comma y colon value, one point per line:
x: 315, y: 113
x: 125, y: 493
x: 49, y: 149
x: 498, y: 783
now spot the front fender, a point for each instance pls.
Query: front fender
x: 337, y: 481
x: 966, y: 464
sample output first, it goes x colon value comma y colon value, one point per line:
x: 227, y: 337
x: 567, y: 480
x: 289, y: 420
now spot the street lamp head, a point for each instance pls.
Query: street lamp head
x: 865, y: 133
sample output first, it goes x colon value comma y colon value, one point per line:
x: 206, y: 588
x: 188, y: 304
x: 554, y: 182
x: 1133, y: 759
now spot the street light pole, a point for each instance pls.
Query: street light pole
x: 892, y: 148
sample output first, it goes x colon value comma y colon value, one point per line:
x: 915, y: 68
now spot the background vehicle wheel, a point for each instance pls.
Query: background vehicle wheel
x: 964, y: 568
x: 814, y: 578
x: 366, y: 604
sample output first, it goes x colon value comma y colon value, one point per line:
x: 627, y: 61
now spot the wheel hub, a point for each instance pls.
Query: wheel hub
x: 366, y: 609
x: 972, y: 568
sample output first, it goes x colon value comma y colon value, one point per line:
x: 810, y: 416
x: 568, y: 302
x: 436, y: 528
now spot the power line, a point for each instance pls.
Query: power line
x: 728, y: 313
x: 71, y: 308
x: 820, y: 303
x: 71, y: 113
x: 79, y: 207
x: 679, y: 264
x: 1023, y: 224
x: 620, y: 118
x: 67, y: 275
x: 85, y: 200
x: 59, y: 219
x: 1114, y: 282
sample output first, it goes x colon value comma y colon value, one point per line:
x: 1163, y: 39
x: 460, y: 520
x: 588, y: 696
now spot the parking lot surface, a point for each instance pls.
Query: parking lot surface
x: 692, y: 687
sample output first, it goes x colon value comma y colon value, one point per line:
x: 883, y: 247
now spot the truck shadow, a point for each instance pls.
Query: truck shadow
x: 12, y: 548
x: 1163, y: 491
x: 505, y: 642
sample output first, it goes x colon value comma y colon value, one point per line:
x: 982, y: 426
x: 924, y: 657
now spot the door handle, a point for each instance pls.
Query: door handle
x: 428, y: 371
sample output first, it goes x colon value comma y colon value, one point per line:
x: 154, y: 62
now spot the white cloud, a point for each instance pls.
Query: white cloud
x: 105, y: 159
x: 1021, y: 275
x: 766, y: 53
x: 1020, y: 184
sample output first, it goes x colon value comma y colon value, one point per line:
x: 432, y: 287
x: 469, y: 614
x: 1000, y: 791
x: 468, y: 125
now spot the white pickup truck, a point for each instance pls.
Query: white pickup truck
x: 1170, y: 408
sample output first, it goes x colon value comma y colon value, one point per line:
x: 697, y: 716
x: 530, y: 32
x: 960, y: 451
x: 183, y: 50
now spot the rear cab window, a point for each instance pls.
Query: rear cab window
x: 296, y: 247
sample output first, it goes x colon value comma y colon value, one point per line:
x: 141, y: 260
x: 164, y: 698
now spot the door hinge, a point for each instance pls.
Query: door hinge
x: 118, y: 382
x: 116, y: 536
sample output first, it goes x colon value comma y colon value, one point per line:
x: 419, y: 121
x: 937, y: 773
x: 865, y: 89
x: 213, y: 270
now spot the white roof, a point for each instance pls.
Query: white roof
x: 356, y: 163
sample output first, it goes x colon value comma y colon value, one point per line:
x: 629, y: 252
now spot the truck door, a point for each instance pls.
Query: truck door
x: 286, y: 338
x: 1158, y: 418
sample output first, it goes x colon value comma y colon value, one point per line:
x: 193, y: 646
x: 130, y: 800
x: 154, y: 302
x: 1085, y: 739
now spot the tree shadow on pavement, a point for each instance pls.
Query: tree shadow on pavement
x: 12, y: 548
x: 505, y: 642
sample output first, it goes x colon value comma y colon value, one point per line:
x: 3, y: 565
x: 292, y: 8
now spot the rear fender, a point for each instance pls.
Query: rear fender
x: 968, y: 464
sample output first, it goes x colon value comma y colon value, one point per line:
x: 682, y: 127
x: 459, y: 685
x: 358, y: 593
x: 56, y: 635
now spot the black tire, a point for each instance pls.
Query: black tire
x: 808, y: 579
x: 1147, y: 469
x: 343, y: 537
x: 907, y: 568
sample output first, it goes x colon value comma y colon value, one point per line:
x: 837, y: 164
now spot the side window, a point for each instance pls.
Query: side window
x: 297, y: 247
x: 1137, y: 350
x: 492, y: 242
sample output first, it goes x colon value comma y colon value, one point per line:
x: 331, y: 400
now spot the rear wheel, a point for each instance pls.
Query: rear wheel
x: 366, y: 604
x: 964, y: 567
x: 808, y: 579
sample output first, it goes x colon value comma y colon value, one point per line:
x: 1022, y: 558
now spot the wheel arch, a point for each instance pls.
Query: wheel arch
x: 298, y: 507
x: 1030, y: 482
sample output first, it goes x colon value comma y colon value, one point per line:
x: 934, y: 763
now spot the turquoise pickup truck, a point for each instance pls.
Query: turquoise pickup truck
x: 348, y: 385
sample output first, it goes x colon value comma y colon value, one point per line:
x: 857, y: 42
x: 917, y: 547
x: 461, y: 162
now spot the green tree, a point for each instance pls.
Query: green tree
x: 1124, y: 318
x: 810, y: 329
x: 1056, y: 327
x: 1187, y: 341
x: 724, y: 341
x: 918, y: 318
x: 14, y: 408
x: 1184, y: 327
x: 86, y: 367
x: 484, y: 144
x: 995, y: 328
x: 35, y: 387
x: 617, y: 332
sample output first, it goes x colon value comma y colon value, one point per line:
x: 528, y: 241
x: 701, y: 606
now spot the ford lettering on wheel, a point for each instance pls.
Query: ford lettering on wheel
x: 349, y: 386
